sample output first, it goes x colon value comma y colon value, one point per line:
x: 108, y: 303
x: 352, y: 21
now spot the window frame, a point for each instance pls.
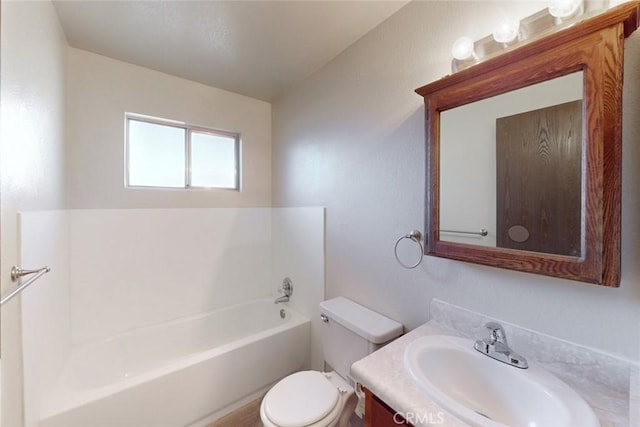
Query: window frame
x: 189, y: 129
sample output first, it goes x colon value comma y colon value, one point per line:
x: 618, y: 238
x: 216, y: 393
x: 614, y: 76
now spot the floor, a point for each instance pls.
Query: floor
x: 249, y: 416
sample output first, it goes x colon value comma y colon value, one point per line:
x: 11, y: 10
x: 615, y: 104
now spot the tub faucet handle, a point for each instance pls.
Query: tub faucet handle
x: 286, y: 289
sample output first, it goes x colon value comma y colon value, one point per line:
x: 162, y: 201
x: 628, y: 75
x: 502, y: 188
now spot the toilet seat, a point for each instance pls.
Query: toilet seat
x: 307, y: 398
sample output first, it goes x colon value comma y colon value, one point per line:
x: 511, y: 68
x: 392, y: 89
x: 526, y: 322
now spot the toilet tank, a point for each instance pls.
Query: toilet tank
x: 351, y: 331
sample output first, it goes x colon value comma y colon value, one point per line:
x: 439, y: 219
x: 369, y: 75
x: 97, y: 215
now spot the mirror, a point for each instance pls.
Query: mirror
x: 524, y: 155
x: 523, y: 149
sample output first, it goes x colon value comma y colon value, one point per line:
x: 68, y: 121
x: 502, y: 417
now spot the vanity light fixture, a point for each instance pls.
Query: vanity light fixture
x: 507, y: 31
x: 565, y: 9
x: 463, y: 52
x: 511, y: 32
x: 463, y: 48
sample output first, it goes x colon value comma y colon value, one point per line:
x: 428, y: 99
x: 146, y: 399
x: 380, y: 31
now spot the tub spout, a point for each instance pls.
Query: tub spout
x: 284, y: 298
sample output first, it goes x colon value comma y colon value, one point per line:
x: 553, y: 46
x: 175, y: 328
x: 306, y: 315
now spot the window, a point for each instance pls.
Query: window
x: 166, y: 154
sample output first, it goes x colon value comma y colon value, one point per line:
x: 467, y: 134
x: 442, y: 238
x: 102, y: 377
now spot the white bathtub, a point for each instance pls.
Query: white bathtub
x: 181, y: 372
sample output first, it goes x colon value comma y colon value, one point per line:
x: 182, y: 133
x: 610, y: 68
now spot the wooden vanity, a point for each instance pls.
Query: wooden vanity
x: 379, y: 414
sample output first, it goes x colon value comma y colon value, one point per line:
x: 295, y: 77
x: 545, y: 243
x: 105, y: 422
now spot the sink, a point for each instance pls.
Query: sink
x: 482, y: 391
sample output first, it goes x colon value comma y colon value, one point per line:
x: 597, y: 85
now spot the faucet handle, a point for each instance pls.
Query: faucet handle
x: 497, y: 333
x: 287, y: 287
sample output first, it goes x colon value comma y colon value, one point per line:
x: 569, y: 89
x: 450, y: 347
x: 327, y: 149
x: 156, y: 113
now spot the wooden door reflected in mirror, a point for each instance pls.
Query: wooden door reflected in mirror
x: 538, y: 180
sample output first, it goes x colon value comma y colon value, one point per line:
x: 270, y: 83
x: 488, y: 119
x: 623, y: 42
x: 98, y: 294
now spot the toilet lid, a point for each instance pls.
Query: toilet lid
x: 300, y: 399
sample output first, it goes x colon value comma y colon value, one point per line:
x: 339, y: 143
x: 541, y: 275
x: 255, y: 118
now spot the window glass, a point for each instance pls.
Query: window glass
x: 156, y: 155
x: 213, y: 160
x: 168, y: 154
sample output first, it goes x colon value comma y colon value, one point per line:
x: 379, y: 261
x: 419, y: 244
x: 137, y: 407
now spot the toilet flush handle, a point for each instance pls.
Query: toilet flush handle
x: 324, y: 318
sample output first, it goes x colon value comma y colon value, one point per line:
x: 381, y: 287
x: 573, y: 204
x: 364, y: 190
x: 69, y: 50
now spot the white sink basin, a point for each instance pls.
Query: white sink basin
x: 482, y: 391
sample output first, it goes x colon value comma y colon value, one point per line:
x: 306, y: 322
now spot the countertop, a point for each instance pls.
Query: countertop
x: 383, y: 373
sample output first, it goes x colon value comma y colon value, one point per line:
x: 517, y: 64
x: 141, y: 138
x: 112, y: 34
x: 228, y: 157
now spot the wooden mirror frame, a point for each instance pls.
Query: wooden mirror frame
x: 594, y: 46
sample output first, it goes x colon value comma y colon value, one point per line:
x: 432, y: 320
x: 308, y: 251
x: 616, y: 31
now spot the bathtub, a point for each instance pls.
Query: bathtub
x: 186, y: 372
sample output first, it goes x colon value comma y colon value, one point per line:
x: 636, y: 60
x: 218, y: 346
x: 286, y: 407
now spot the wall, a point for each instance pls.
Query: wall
x: 351, y: 138
x: 136, y: 267
x: 297, y: 252
x: 154, y: 265
x: 99, y: 92
x: 46, y: 328
x: 33, y: 50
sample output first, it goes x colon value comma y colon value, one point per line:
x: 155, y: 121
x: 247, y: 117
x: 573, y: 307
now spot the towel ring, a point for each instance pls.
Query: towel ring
x: 416, y: 236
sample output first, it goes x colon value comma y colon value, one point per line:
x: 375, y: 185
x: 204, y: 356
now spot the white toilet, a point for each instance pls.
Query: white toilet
x: 316, y: 399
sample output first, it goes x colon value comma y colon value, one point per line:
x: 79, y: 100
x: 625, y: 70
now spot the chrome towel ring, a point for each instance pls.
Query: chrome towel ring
x: 415, y: 236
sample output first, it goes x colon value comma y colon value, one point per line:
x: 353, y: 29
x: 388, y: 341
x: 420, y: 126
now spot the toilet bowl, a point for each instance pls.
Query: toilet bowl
x: 317, y: 399
x: 309, y: 398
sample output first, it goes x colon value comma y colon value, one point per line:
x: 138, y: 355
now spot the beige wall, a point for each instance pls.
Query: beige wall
x: 99, y: 92
x: 351, y: 138
x: 33, y: 53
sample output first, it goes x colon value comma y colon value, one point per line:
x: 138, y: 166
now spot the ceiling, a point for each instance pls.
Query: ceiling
x: 255, y: 48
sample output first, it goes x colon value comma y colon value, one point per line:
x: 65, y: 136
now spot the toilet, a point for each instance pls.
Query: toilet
x: 326, y: 399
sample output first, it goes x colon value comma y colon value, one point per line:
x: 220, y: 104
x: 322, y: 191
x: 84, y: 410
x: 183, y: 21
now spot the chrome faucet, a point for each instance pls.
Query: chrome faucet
x: 287, y: 289
x: 497, y: 348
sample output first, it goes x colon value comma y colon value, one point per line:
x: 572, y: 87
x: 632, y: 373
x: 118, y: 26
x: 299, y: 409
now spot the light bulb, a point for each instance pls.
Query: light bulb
x: 507, y: 31
x: 462, y: 48
x: 564, y: 8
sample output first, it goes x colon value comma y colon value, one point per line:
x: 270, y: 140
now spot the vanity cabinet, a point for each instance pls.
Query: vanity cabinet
x: 379, y: 414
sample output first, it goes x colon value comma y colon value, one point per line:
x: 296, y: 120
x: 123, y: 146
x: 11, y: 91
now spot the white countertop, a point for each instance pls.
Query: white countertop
x: 383, y: 373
